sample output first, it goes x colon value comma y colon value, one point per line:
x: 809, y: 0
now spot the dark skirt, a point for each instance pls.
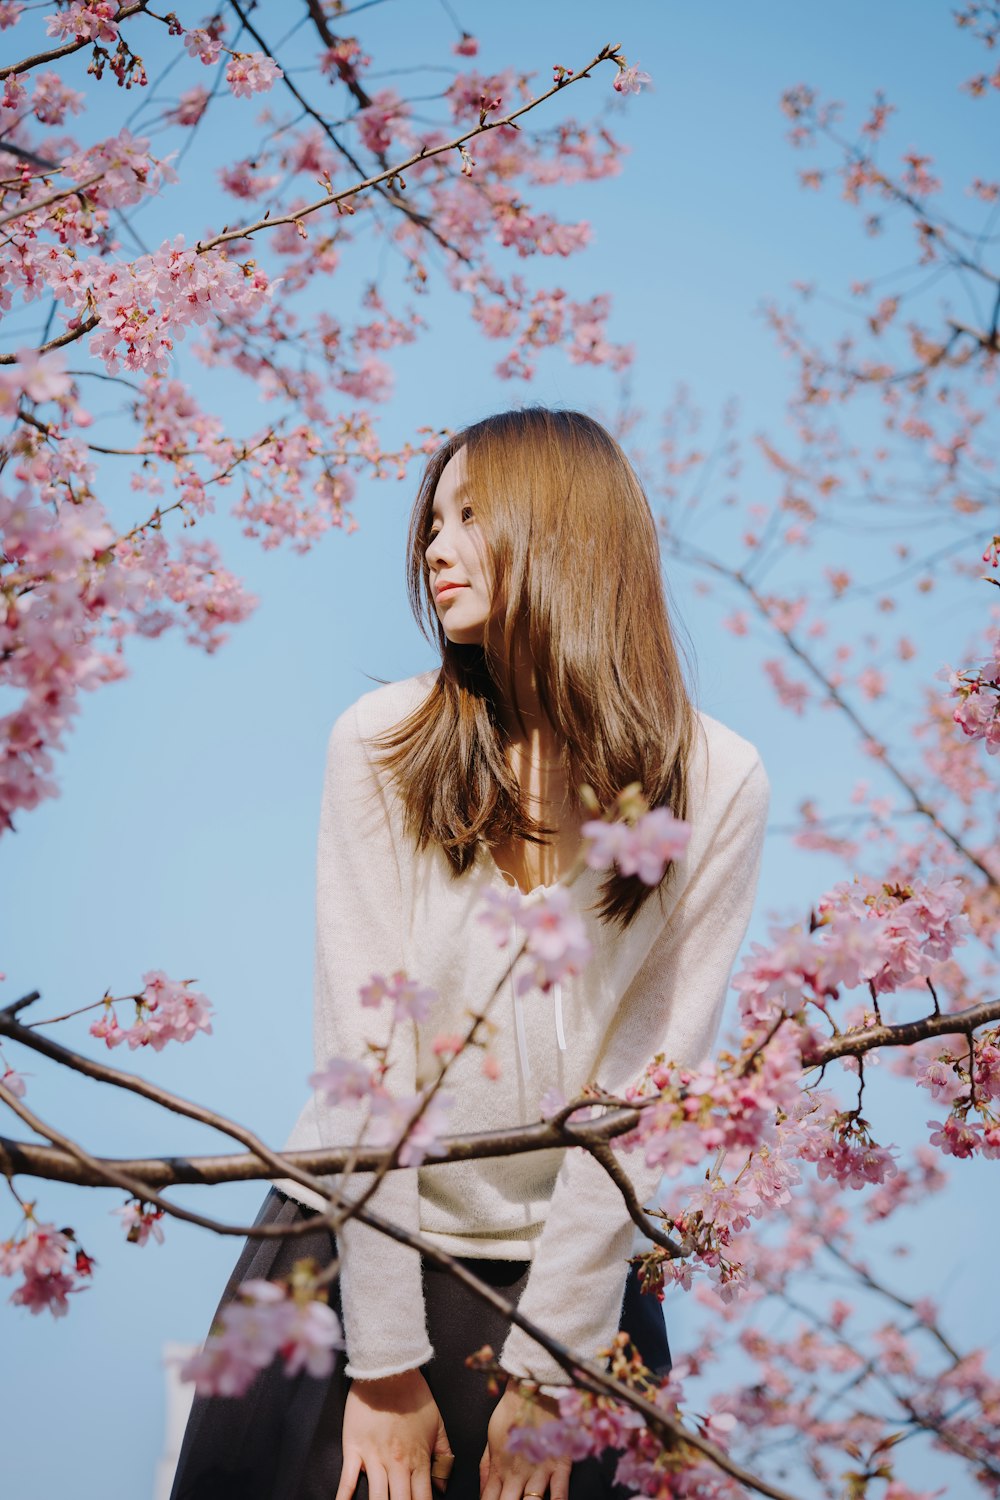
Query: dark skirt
x: 281, y: 1440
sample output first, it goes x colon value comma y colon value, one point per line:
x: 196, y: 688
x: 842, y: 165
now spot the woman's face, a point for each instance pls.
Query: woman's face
x: 456, y: 559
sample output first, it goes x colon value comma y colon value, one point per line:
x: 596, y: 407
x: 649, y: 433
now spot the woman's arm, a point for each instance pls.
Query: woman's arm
x: 360, y: 930
x: 674, y: 1005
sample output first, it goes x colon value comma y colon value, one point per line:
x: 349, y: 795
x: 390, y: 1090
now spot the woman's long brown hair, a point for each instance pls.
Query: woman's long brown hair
x: 575, y: 566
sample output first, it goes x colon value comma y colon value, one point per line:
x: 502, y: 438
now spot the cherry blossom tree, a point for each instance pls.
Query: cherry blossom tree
x: 775, y: 1169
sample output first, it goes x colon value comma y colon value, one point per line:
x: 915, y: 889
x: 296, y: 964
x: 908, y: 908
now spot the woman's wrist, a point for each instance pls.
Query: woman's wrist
x: 401, y: 1377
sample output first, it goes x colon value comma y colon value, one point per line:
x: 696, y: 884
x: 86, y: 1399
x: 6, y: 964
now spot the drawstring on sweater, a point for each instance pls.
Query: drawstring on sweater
x: 519, y: 1027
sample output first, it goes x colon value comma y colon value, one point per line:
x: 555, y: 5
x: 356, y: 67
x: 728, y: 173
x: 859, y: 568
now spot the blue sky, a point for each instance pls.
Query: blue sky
x: 184, y: 836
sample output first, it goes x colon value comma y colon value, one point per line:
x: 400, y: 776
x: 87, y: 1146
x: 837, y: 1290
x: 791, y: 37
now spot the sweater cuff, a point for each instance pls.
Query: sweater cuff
x: 357, y: 1373
x: 381, y: 1289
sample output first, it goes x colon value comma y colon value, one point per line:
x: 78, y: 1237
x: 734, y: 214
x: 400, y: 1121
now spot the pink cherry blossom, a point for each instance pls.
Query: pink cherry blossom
x: 14, y: 1082
x: 43, y: 1258
x: 411, y: 1001
x: 249, y: 73
x: 341, y: 1080
x: 51, y: 99
x: 37, y: 377
x: 388, y: 1120
x: 643, y: 849
x: 84, y: 20
x: 203, y: 44
x: 166, y: 1011
x: 263, y: 1321
x: 630, y: 80
x: 939, y: 1076
x: 378, y: 122
x: 140, y: 1222
x: 556, y: 940
x: 955, y: 1137
x: 499, y: 911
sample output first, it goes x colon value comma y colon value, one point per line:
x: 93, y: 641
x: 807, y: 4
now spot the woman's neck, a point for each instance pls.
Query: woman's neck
x: 537, y: 743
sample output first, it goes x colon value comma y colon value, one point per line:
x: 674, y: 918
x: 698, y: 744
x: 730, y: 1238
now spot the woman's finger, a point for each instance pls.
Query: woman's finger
x: 491, y: 1489
x: 378, y: 1480
x: 516, y: 1482
x: 349, y: 1474
x: 558, y: 1482
x: 538, y: 1482
x: 420, y: 1482
x: 400, y: 1481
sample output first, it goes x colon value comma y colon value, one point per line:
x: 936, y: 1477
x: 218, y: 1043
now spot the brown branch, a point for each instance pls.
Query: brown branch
x: 585, y: 1373
x: 392, y: 197
x: 57, y: 197
x: 737, y: 576
x: 606, y: 1158
x: 424, y: 154
x: 26, y: 63
x: 69, y: 337
x: 31, y: 1160
x: 925, y: 1421
x: 110, y: 1174
x: 873, y: 1285
x: 281, y: 1166
x: 903, y: 1034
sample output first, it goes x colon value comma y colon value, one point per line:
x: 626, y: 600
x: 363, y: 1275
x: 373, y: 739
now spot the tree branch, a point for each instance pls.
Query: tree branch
x: 903, y: 1034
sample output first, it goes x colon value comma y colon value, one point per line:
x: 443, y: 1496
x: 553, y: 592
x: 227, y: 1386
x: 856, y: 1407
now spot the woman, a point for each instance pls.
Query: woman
x: 533, y: 558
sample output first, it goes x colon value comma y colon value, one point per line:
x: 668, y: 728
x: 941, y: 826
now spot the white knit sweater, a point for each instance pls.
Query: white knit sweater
x: 658, y: 987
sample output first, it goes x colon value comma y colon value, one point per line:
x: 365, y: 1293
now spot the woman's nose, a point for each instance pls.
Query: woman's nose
x: 439, y: 552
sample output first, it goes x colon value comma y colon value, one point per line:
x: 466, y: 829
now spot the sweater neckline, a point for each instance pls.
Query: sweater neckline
x: 497, y: 877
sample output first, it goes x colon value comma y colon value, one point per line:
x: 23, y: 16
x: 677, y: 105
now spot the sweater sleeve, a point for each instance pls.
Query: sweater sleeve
x: 360, y: 930
x: 674, y: 1005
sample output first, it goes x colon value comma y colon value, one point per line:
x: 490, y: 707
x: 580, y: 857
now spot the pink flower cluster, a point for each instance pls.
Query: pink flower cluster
x: 14, y: 1082
x: 166, y: 1011
x: 263, y: 1321
x: 84, y: 21
x: 630, y: 80
x: 343, y: 1081
x: 586, y: 1427
x: 51, y: 1268
x: 345, y: 58
x: 145, y: 304
x: 555, y: 935
x: 380, y: 122
x: 67, y: 576
x: 205, y: 42
x: 388, y: 1124
x: 977, y: 689
x: 140, y: 1222
x: 957, y: 1136
x: 249, y: 73
x: 870, y: 932
x: 645, y: 848
x: 411, y: 1001
x: 51, y: 99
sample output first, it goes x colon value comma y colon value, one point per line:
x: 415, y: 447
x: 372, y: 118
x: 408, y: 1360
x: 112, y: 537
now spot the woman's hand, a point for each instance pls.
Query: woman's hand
x: 393, y: 1430
x: 508, y: 1476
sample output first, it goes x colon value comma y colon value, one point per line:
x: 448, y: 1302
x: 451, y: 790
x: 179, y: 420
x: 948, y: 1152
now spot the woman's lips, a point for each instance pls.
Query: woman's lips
x: 450, y: 588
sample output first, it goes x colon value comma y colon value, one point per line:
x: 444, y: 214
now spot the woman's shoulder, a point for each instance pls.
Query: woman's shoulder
x: 725, y: 761
x: 382, y: 707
